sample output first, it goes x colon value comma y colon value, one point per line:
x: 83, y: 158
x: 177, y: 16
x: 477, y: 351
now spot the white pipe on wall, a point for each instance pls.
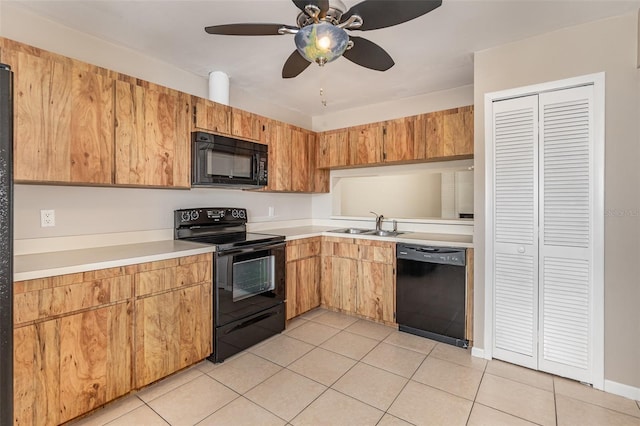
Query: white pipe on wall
x: 219, y: 87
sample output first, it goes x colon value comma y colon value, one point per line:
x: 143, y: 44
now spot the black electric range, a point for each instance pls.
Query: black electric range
x: 249, y: 276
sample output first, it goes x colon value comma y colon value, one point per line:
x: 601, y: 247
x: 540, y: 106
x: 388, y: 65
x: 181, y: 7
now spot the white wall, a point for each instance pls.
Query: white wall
x: 444, y: 99
x: 610, y: 46
x: 89, y: 210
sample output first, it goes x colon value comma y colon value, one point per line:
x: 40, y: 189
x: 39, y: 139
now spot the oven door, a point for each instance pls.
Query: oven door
x: 248, y: 280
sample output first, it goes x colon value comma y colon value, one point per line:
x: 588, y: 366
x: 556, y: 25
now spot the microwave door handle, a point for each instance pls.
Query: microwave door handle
x: 256, y: 168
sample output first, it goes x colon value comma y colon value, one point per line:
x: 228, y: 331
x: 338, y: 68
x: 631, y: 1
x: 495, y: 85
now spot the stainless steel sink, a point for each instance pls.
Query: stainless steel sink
x: 351, y: 231
x: 382, y: 233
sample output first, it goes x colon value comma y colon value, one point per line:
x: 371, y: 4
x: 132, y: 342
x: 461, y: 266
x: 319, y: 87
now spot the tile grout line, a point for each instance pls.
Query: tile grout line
x: 475, y: 397
x: 602, y: 406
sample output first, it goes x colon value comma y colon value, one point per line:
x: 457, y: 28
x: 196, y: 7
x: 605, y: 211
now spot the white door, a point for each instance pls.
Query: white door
x: 546, y: 232
x: 515, y: 239
x: 566, y: 232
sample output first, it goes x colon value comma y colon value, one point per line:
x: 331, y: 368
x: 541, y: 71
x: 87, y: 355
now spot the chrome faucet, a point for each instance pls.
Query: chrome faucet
x: 379, y: 218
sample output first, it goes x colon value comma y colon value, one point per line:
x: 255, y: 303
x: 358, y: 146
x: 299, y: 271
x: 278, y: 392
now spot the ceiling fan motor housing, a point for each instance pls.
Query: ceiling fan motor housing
x: 333, y: 15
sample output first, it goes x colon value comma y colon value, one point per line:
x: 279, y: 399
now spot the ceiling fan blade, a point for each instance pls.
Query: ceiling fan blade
x: 323, y: 5
x: 294, y: 65
x: 247, y: 29
x: 368, y: 54
x: 386, y: 13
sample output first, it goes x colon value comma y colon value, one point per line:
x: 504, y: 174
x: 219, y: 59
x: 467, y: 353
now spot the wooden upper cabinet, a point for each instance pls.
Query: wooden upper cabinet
x: 334, y: 148
x: 63, y: 113
x: 279, y: 142
x: 458, y: 132
x: 320, y: 177
x: 449, y: 133
x: 300, y: 161
x: 399, y: 142
x: 152, y: 136
x: 366, y: 144
x: 292, y: 159
x: 246, y: 125
x: 211, y: 116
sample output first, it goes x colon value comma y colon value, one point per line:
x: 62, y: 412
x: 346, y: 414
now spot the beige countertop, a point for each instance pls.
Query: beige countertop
x: 441, y: 240
x: 40, y: 265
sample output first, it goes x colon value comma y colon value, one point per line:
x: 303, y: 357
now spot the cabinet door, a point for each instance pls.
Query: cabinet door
x: 449, y: 133
x: 458, y: 132
x: 366, y: 144
x: 334, y: 149
x: 279, y: 141
x: 375, y: 291
x: 211, y: 116
x: 320, y: 177
x: 399, y: 140
x: 339, y: 283
x: 71, y: 365
x: 152, y: 136
x: 300, y: 162
x: 303, y: 286
x: 246, y: 125
x: 173, y: 330
x: 63, y: 113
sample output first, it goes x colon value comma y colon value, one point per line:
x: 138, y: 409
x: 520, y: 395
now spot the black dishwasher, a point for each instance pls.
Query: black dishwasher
x: 431, y: 292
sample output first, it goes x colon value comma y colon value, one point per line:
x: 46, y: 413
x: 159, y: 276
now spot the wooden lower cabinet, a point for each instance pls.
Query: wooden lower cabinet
x: 358, y: 276
x: 68, y: 366
x: 375, y: 291
x: 303, y: 276
x: 170, y: 332
x: 84, y: 339
x: 173, y: 316
x: 72, y: 344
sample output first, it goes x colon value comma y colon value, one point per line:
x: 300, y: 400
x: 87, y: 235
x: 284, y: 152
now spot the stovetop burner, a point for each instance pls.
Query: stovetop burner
x: 221, y: 226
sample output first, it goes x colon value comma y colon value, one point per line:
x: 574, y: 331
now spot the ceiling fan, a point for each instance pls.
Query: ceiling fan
x: 320, y: 34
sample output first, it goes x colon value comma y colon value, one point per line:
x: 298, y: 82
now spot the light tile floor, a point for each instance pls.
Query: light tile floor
x: 333, y: 369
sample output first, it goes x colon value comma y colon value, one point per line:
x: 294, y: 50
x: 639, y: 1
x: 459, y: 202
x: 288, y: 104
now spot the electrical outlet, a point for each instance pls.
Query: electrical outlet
x: 47, y: 218
x: 272, y: 211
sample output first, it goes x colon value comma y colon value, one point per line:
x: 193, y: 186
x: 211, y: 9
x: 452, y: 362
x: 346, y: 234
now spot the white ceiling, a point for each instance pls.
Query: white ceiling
x: 433, y: 52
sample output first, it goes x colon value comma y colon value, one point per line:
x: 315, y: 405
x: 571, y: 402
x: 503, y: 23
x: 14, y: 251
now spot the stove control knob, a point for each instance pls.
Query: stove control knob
x: 185, y: 216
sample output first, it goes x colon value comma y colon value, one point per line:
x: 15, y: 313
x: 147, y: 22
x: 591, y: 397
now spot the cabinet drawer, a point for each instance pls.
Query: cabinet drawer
x: 38, y: 299
x: 377, y: 251
x: 340, y: 247
x: 301, y: 249
x: 360, y: 249
x: 181, y: 275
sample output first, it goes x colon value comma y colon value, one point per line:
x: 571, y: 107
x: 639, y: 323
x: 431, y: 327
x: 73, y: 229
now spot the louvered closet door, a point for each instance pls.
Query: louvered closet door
x: 566, y: 232
x: 515, y: 266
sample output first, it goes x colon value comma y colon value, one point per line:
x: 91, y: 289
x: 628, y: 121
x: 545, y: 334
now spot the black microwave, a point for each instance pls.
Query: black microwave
x: 221, y: 161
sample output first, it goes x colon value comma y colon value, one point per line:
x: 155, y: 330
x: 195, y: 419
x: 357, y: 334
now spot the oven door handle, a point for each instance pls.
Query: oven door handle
x: 251, y: 321
x: 250, y: 249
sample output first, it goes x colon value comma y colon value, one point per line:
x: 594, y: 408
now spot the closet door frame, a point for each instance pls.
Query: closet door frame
x: 597, y: 80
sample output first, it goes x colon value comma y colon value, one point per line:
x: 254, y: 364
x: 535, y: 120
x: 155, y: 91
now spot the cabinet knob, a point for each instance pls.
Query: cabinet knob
x: 521, y: 249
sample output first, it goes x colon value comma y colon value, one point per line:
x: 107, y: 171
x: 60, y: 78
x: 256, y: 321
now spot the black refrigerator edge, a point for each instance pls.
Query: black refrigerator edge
x: 6, y: 245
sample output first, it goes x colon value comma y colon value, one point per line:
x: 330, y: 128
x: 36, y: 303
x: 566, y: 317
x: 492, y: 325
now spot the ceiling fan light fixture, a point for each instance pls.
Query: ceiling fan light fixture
x: 321, y: 42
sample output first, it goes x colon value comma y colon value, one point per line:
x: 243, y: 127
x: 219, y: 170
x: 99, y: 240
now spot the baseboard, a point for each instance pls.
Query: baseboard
x: 477, y: 352
x: 622, y: 390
